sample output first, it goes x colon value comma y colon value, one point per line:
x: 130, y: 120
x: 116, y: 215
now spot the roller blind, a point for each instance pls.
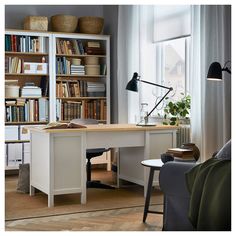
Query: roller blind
x: 171, y: 22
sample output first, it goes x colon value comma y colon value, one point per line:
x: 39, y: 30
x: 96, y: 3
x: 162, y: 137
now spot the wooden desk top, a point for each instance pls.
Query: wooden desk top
x: 105, y: 127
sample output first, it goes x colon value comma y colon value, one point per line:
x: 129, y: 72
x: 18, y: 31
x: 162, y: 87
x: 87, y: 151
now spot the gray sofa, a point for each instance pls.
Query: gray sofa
x: 172, y: 180
x: 176, y: 195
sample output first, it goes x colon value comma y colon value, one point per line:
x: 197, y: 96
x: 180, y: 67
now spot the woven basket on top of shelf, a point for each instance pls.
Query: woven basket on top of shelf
x: 90, y: 24
x: 64, y: 23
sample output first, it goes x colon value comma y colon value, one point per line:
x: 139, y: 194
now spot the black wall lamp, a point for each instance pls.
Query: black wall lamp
x: 133, y: 86
x: 215, y: 70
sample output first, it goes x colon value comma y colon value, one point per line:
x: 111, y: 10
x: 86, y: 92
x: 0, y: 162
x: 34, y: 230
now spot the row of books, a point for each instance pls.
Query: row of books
x: 80, y: 89
x: 16, y: 65
x: 17, y: 43
x: 70, y: 47
x: 30, y: 110
x: 68, y: 110
x: 64, y: 66
x: 77, y: 47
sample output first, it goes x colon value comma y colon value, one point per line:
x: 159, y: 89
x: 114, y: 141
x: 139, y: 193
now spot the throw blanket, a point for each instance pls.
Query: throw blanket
x: 209, y: 185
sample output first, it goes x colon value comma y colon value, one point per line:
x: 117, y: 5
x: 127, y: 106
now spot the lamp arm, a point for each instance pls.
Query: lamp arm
x: 169, y: 89
x: 227, y: 70
x: 158, y: 85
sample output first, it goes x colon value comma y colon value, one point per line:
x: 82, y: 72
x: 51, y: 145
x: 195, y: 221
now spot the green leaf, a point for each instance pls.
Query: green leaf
x: 164, y: 123
x: 172, y: 123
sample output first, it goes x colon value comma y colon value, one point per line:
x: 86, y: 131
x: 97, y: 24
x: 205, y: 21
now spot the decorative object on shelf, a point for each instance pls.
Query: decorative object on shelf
x: 177, y: 110
x: 165, y: 157
x: 76, y: 61
x: 35, y: 68
x: 194, y: 148
x: 64, y: 23
x: 37, y: 23
x: 215, y: 70
x: 92, y: 69
x: 91, y: 24
x: 92, y: 66
x: 133, y: 86
x: 91, y: 60
x: 12, y: 91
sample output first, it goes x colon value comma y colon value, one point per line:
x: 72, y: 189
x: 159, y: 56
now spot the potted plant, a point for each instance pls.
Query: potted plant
x: 174, y: 111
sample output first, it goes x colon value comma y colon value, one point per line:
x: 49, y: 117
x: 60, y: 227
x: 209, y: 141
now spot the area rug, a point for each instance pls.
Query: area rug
x: 22, y: 206
x: 126, y: 219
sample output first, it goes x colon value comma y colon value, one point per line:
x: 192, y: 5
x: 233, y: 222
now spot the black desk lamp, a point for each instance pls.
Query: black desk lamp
x: 133, y: 86
x: 215, y: 71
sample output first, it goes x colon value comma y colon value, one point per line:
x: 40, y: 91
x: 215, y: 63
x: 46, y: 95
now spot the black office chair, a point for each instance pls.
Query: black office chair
x: 91, y: 153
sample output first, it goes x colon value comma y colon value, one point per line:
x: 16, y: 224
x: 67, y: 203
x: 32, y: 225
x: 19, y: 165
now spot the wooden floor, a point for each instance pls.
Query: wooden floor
x: 126, y: 219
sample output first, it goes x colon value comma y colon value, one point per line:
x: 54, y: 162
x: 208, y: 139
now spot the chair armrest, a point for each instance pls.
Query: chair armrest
x: 172, y: 178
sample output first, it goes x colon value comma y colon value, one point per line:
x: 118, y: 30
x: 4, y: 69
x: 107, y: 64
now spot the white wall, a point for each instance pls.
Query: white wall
x: 15, y: 14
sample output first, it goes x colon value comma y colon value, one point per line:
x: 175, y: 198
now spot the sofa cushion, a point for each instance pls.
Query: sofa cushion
x: 225, y: 152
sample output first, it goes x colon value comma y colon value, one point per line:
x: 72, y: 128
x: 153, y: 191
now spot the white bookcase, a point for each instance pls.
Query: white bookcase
x: 91, y: 106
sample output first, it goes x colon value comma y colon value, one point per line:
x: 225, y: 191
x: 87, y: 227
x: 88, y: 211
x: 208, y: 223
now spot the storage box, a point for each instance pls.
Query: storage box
x: 76, y: 61
x: 35, y: 68
x: 91, y: 61
x: 92, y: 69
x: 12, y: 91
x: 37, y: 23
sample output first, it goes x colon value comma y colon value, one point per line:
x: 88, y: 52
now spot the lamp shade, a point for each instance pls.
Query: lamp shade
x: 133, y: 83
x: 215, y: 71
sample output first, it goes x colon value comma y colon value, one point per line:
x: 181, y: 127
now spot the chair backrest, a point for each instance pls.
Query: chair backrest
x: 84, y: 121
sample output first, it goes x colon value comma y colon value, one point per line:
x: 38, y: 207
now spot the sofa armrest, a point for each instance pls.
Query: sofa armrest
x: 172, y: 178
x: 176, y: 197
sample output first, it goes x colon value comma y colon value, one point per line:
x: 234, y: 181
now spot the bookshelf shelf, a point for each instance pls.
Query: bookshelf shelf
x: 26, y: 123
x: 22, y: 75
x: 11, y: 168
x: 79, y: 55
x: 9, y: 53
x: 82, y: 98
x: 13, y: 98
x: 81, y: 76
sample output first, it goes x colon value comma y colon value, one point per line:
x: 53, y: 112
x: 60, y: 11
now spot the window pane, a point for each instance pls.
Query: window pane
x: 174, y: 66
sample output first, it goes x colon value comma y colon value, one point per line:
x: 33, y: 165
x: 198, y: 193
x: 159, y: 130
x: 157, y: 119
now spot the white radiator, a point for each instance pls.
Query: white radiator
x: 183, y: 135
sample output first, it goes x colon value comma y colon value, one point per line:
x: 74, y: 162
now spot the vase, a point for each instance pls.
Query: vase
x: 192, y: 146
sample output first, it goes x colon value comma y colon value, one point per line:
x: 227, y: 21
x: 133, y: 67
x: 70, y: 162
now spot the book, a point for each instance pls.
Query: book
x: 59, y: 125
x: 180, y: 152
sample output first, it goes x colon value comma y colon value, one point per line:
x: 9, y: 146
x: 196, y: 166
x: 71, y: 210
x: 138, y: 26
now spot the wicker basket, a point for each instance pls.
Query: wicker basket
x: 64, y: 23
x: 91, y: 24
x: 38, y: 23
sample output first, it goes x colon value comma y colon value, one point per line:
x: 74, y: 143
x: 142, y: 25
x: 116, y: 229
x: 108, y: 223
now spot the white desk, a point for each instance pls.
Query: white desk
x: 58, y: 163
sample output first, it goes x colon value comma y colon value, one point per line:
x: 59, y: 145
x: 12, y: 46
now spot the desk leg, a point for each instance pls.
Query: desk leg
x: 50, y: 200
x: 83, y: 197
x: 32, y: 190
x: 148, y: 195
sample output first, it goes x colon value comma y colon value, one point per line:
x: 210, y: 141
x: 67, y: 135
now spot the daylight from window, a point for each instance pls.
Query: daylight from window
x: 174, y: 62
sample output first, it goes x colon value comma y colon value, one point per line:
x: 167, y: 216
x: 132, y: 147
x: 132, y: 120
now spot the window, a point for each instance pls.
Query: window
x: 173, y: 65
